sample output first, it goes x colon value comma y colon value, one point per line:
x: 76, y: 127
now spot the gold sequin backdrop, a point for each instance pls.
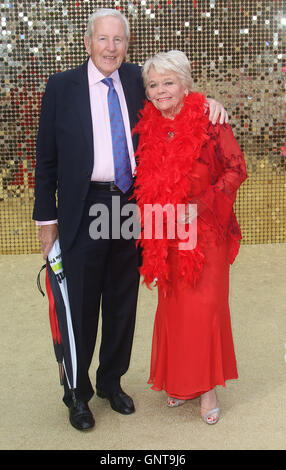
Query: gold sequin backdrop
x: 237, y: 51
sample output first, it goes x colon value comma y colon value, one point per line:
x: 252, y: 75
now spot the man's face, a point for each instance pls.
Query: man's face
x: 108, y: 45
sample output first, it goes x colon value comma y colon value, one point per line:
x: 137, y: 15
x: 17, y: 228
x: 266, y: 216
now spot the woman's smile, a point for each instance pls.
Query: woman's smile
x: 166, y: 92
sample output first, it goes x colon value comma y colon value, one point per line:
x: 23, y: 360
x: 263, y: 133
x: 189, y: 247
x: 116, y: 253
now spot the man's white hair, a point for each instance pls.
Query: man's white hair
x: 103, y: 12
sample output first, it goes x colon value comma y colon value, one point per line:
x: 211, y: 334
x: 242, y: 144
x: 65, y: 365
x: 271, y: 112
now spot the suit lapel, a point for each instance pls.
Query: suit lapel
x: 82, y: 99
x: 130, y: 92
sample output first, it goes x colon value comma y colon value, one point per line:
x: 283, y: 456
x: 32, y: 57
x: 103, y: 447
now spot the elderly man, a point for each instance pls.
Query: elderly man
x: 84, y: 158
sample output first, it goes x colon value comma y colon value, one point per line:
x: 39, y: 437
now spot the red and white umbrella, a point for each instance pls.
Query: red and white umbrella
x: 60, y: 316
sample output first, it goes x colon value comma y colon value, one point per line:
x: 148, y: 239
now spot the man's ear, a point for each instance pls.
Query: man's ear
x: 87, y: 45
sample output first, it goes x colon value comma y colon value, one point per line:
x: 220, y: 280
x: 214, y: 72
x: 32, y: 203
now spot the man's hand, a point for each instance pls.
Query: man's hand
x: 217, y: 109
x: 47, y: 236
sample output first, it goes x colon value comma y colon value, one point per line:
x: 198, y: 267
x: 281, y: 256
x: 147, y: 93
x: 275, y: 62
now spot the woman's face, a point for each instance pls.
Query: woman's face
x: 166, y: 92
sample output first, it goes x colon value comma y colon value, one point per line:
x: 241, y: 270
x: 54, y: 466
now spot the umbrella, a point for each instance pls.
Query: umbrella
x: 60, y: 316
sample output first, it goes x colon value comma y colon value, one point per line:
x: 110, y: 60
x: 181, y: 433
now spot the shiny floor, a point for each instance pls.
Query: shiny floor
x: 253, y: 407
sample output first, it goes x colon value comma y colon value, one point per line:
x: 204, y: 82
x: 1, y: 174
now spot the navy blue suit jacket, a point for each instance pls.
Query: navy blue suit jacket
x: 65, y: 145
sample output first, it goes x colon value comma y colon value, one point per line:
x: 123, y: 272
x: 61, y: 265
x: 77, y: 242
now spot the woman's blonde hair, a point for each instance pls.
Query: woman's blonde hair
x: 174, y: 61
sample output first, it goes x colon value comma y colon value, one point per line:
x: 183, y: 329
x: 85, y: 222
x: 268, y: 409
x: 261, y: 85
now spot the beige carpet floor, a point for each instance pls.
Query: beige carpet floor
x: 253, y: 407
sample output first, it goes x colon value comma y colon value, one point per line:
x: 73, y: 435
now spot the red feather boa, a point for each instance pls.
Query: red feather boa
x: 162, y: 177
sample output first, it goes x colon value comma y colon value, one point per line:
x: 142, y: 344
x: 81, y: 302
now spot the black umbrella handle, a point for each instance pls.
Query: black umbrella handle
x: 39, y: 280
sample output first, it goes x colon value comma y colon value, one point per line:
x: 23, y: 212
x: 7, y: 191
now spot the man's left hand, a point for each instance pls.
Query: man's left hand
x: 217, y: 109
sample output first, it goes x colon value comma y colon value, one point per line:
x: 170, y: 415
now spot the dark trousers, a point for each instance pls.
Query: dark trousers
x: 102, y: 273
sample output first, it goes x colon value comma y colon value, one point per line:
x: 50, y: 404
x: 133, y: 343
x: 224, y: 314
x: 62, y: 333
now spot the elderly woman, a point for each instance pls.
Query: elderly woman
x: 185, y: 161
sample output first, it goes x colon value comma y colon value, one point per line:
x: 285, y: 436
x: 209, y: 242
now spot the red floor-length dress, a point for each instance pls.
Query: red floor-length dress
x: 192, y: 348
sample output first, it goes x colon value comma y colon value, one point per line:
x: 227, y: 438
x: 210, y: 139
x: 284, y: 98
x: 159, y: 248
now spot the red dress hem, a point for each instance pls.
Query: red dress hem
x: 193, y: 395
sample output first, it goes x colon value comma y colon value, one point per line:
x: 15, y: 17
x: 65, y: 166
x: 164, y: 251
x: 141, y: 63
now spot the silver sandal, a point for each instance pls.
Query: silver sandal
x: 173, y: 402
x: 212, y: 416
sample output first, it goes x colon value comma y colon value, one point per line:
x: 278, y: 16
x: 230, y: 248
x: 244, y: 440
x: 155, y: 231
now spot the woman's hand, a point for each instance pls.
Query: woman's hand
x: 188, y: 214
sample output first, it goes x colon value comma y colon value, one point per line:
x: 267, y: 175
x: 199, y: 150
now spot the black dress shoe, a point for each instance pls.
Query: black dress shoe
x: 80, y: 416
x: 119, y: 401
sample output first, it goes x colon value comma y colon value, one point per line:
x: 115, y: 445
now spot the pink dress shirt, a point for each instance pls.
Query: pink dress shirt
x: 103, y: 156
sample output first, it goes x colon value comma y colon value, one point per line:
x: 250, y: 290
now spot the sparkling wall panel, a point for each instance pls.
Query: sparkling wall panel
x: 237, y: 51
